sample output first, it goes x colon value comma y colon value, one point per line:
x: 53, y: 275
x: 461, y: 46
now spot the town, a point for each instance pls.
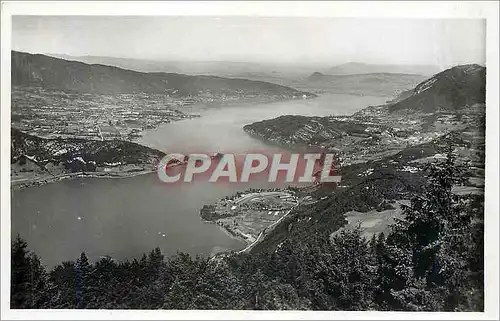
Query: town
x: 51, y: 113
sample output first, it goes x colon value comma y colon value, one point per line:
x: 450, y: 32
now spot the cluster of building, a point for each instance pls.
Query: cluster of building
x: 391, y: 133
x: 55, y: 113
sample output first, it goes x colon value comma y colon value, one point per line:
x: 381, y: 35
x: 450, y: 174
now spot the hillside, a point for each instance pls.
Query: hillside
x: 353, y: 68
x: 59, y: 150
x: 375, y: 187
x: 453, y: 89
x: 383, y: 151
x: 36, y: 160
x: 300, y: 264
x: 385, y: 81
x: 303, y: 130
x: 451, y: 100
x: 50, y: 72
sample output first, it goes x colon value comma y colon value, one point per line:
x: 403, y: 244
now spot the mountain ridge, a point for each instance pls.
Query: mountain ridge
x: 364, y: 68
x: 449, y: 90
x: 458, y: 90
x: 41, y: 70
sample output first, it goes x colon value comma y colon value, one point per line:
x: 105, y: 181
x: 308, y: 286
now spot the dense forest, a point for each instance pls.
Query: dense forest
x: 432, y: 260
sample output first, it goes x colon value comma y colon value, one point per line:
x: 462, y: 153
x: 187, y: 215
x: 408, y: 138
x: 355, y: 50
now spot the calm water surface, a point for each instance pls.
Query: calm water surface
x: 126, y: 217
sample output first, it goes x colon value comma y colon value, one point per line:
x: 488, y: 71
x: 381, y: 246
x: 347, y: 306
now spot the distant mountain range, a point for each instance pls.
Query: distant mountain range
x: 354, y: 68
x: 374, y: 84
x: 40, y: 70
x: 125, y: 63
x: 455, y: 89
x: 230, y: 69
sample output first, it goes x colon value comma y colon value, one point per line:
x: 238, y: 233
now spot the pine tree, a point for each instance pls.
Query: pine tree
x: 63, y: 278
x: 350, y: 271
x: 83, y: 281
x: 29, y: 281
x: 430, y: 245
x: 20, y: 271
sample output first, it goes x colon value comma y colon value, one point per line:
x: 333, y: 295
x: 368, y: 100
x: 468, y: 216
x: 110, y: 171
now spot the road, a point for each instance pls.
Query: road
x: 252, y: 196
x: 262, y: 234
x: 100, y: 132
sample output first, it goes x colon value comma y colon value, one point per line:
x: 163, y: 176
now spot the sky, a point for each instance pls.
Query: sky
x: 441, y: 42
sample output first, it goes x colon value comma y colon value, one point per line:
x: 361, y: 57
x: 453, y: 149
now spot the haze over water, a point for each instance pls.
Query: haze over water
x: 126, y: 217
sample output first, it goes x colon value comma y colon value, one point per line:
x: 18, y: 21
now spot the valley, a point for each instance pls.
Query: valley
x: 187, y: 157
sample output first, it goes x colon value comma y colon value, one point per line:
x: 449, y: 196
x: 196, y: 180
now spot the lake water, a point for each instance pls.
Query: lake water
x: 126, y: 217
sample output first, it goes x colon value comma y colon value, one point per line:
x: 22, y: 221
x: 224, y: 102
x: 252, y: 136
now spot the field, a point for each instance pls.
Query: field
x: 246, y: 216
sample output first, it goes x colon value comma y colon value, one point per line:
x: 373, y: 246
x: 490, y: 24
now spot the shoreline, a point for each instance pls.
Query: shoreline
x: 250, y: 243
x: 229, y: 232
x: 202, y: 107
x: 33, y: 182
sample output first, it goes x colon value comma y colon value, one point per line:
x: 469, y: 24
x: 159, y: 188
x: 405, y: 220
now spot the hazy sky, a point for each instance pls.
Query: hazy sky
x: 305, y: 40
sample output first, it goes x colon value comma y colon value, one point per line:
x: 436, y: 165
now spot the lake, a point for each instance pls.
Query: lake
x: 126, y: 217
